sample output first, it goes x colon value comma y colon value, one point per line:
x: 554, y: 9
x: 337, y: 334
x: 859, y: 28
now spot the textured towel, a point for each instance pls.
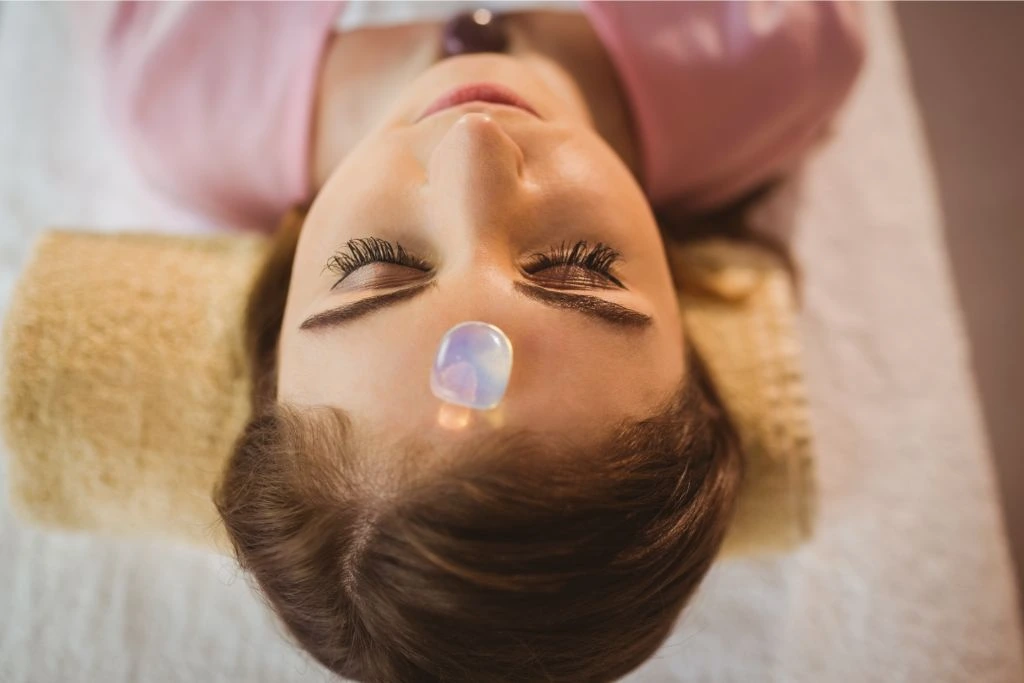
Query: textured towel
x: 127, y: 380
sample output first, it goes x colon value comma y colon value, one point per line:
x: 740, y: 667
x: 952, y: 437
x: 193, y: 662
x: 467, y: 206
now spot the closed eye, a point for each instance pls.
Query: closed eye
x: 580, y: 266
x: 357, y: 254
x: 378, y: 263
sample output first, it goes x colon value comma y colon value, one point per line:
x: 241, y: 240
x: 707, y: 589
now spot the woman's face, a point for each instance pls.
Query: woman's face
x: 529, y: 222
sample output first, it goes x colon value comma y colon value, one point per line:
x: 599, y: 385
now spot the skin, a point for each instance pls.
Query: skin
x: 474, y: 191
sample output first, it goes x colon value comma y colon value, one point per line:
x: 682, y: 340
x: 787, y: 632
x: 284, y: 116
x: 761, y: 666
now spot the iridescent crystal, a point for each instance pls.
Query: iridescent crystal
x: 472, y: 366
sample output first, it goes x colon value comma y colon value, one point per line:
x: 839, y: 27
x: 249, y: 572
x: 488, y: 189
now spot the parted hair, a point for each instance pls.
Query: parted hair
x: 516, y: 559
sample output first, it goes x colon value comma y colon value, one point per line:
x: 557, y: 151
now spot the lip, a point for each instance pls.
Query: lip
x: 491, y: 93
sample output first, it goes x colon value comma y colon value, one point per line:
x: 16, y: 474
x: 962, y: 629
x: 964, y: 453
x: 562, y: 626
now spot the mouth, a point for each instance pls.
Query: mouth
x: 490, y: 93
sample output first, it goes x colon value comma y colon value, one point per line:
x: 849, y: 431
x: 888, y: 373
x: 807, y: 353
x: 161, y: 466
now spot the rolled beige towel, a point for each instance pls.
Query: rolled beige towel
x: 127, y: 382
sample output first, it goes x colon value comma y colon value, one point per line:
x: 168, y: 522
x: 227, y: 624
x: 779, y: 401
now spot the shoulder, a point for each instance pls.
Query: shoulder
x: 726, y: 94
x: 213, y: 99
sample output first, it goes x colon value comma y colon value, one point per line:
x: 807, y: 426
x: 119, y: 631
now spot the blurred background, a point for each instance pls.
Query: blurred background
x: 965, y: 63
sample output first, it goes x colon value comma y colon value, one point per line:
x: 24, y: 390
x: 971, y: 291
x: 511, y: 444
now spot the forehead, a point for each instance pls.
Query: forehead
x: 568, y: 372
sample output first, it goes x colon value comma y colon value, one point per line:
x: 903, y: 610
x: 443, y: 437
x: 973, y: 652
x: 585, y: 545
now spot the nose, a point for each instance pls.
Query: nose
x: 475, y: 172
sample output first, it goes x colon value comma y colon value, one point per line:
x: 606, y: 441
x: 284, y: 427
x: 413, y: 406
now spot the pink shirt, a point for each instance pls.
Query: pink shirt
x: 215, y: 100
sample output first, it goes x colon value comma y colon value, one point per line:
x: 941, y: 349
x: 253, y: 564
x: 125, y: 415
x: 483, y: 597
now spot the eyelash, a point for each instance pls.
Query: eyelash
x: 366, y: 250
x: 598, y: 258
x: 357, y: 253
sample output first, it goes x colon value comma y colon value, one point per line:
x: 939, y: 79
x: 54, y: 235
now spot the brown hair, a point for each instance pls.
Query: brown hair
x: 517, y: 560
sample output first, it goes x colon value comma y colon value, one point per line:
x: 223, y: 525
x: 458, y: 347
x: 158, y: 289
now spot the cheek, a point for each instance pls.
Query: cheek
x: 614, y: 198
x: 588, y: 187
x: 580, y: 172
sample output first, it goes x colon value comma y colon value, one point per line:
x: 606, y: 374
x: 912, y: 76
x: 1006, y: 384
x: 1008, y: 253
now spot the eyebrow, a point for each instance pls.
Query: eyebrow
x: 349, y: 312
x: 592, y: 306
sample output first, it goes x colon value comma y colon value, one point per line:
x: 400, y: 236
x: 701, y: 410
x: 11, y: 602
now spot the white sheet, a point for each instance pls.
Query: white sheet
x: 907, y: 579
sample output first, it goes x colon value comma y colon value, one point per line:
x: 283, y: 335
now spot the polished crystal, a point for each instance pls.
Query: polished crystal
x: 472, y: 366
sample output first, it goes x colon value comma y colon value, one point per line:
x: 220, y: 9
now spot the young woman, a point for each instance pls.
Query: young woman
x: 487, y: 166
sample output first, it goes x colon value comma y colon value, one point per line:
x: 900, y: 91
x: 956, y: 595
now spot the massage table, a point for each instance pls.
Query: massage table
x: 907, y: 577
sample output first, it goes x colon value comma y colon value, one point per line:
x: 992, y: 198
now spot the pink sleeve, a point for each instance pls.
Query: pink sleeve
x: 215, y: 100
x: 727, y: 95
